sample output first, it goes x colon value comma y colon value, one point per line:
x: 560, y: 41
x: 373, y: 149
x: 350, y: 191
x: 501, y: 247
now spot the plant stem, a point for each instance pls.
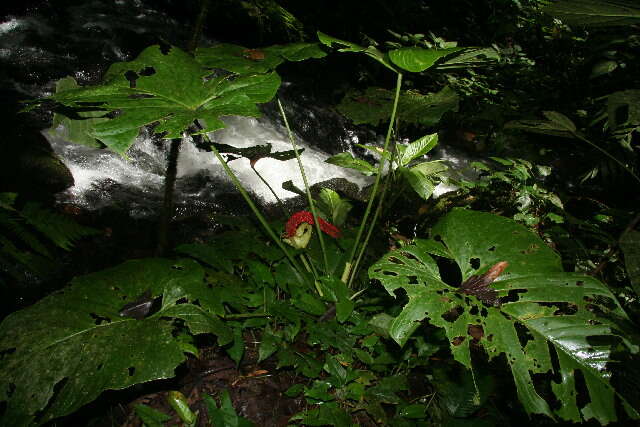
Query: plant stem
x: 167, y: 204
x: 255, y: 210
x: 284, y: 209
x: 606, y: 153
x: 376, y: 184
x: 197, y: 31
x: 306, y: 187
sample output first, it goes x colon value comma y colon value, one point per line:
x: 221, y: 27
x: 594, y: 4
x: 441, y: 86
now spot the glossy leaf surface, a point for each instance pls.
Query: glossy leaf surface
x: 63, y: 351
x: 557, y: 309
x: 416, y: 59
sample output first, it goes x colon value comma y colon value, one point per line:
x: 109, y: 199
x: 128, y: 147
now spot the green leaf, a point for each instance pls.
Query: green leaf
x: 422, y: 184
x: 76, y: 131
x: 630, y: 245
x: 326, y: 414
x: 560, y: 120
x: 268, y: 345
x: 179, y: 404
x: 242, y: 60
x: 416, y: 59
x: 86, y: 347
x: 345, y: 46
x: 375, y: 104
x: 151, y: 417
x: 236, y: 351
x: 595, y: 13
x: 334, y: 206
x: 418, y: 148
x: 557, y: 124
x: 346, y: 160
x: 558, y: 309
x: 169, y: 88
x: 225, y: 415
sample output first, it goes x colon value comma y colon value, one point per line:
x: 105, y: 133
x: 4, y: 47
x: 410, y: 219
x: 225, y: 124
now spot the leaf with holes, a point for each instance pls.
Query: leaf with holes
x: 169, y: 88
x: 545, y: 314
x: 65, y: 350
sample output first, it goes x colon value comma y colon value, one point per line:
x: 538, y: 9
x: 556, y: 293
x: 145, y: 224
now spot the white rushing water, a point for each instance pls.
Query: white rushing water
x: 101, y: 175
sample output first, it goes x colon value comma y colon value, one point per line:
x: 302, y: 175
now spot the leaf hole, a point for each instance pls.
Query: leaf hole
x: 131, y: 370
x: 513, y: 295
x: 99, y: 320
x: 579, y: 283
x: 147, y: 71
x: 413, y: 280
x: 475, y: 263
x: 132, y: 78
x: 453, y: 314
x: 457, y: 341
x: 491, y: 249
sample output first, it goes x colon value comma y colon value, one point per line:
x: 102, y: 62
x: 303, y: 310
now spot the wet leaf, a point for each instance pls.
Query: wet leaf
x: 170, y: 88
x: 558, y: 309
x: 416, y: 59
x: 87, y: 347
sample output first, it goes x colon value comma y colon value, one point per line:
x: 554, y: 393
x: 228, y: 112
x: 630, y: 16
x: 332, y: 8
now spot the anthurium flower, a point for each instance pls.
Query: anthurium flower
x: 298, y: 230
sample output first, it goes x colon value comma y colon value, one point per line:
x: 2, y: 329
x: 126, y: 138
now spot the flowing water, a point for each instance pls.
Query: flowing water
x: 82, y: 40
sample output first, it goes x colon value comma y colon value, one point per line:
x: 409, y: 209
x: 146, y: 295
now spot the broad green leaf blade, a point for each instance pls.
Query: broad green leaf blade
x: 422, y: 184
x: 595, y: 13
x: 334, y: 206
x: 298, y: 51
x: 374, y: 106
x: 345, y: 46
x: 562, y: 121
x: 469, y: 57
x: 416, y: 59
x: 346, y: 160
x: 557, y: 125
x: 238, y: 59
x: 572, y: 313
x: 77, y: 131
x: 417, y: 148
x: 86, y: 347
x: 170, y: 88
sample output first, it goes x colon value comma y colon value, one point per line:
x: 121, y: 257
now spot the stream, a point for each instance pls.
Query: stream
x: 81, y: 40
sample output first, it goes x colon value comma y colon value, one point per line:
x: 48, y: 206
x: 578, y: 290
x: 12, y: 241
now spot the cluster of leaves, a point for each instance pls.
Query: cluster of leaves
x: 348, y: 362
x: 516, y: 184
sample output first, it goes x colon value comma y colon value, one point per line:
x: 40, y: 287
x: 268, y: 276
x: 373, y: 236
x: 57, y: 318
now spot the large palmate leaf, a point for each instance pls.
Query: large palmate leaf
x: 63, y: 351
x: 241, y: 60
x: 565, y: 315
x: 374, y: 106
x: 596, y: 13
x: 168, y: 87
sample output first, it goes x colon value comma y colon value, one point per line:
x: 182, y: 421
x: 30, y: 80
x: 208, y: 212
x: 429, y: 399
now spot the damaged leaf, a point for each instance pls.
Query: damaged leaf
x: 567, y: 312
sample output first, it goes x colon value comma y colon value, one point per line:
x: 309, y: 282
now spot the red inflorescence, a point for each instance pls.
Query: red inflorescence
x: 306, y: 216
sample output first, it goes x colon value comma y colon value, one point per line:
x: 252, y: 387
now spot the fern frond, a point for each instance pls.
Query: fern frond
x: 12, y: 227
x: 62, y: 231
